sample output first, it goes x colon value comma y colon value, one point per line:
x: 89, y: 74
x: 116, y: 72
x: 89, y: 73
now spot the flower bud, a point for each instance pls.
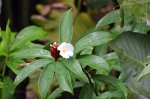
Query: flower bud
x: 53, y: 50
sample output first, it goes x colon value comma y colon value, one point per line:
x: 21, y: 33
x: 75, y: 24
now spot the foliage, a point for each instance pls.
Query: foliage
x: 123, y: 48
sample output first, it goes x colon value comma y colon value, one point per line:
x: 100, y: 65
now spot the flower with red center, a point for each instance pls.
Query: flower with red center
x: 54, y: 51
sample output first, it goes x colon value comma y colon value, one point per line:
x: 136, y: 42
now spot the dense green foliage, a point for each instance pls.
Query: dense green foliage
x: 91, y: 66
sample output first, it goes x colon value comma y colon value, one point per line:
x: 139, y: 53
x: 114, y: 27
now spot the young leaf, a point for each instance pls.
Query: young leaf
x: 111, y: 17
x: 86, y: 92
x: 63, y: 77
x: 46, y: 79
x: 74, y: 66
x: 112, y: 81
x: 6, y: 38
x: 145, y: 72
x: 92, y: 39
x: 30, y: 53
x: 26, y: 71
x: 65, y: 28
x: 95, y: 62
x: 29, y: 33
x: 8, y: 90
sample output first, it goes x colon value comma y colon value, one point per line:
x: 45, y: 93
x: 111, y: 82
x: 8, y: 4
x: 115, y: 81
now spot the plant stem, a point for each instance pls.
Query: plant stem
x: 89, y: 78
x: 4, y: 66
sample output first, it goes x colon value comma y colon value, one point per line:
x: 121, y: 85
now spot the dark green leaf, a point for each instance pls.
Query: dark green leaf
x: 93, y: 39
x: 132, y: 50
x: 100, y: 50
x: 46, y: 79
x: 29, y: 33
x: 65, y: 29
x: 74, y: 66
x: 28, y: 70
x: 95, y: 62
x: 31, y: 53
x: 112, y: 81
x: 63, y: 77
x: 9, y: 89
x: 86, y: 92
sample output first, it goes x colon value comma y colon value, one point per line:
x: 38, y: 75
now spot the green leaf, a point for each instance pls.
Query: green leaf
x: 132, y: 50
x: 2, y: 85
x: 46, y: 79
x: 111, y: 17
x: 65, y: 28
x: 86, y: 92
x: 111, y: 94
x: 8, y: 90
x: 134, y: 6
x: 56, y: 93
x: 74, y: 66
x: 14, y: 65
x: 114, y: 82
x: 7, y: 37
x: 30, y: 53
x: 28, y: 70
x: 141, y: 28
x: 29, y: 33
x: 92, y: 39
x: 63, y: 77
x: 145, y: 72
x: 95, y: 62
x: 113, y: 61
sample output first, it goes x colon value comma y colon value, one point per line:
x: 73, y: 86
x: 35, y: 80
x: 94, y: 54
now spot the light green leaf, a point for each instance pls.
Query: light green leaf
x: 8, y: 90
x: 7, y: 37
x: 28, y: 70
x: 145, y: 72
x: 111, y: 17
x: 56, y: 93
x: 29, y: 33
x: 30, y: 53
x: 86, y: 92
x: 111, y: 94
x: 63, y: 77
x: 65, y: 28
x: 114, y: 82
x: 141, y: 28
x: 95, y: 62
x: 92, y: 39
x: 46, y: 79
x: 74, y: 66
x: 2, y: 85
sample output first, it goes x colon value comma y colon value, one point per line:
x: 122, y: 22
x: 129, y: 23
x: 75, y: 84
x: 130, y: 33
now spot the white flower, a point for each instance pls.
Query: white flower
x: 66, y: 50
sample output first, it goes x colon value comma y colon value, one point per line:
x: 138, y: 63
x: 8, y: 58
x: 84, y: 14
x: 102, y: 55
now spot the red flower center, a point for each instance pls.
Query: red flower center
x: 54, y: 51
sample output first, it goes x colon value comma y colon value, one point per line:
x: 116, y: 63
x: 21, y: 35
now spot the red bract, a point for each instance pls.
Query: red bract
x: 54, y: 51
